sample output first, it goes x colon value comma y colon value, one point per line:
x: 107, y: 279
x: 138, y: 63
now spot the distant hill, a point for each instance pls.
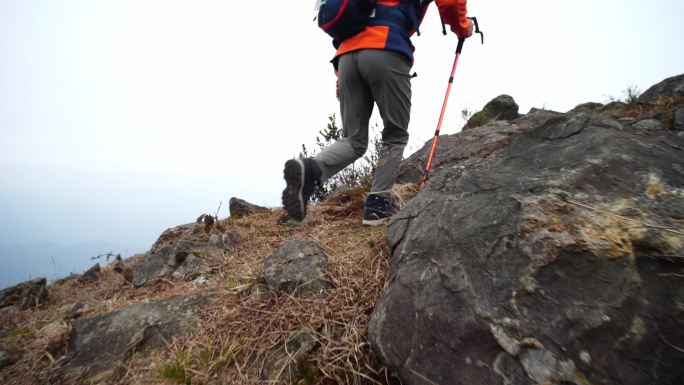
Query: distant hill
x: 45, y: 259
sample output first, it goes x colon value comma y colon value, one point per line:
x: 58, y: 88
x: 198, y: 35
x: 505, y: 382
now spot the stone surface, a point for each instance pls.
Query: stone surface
x: 101, y: 344
x: 91, y: 275
x: 25, y: 295
x: 77, y: 309
x: 503, y: 107
x: 191, y: 268
x: 587, y: 108
x: 673, y: 86
x: 53, y: 335
x: 517, y: 268
x: 258, y: 291
x: 172, y: 235
x: 649, y: 124
x: 678, y: 119
x: 155, y: 264
x: 470, y: 146
x: 298, y: 267
x: 288, y: 362
x: 614, y: 106
x: 240, y: 208
x: 167, y: 258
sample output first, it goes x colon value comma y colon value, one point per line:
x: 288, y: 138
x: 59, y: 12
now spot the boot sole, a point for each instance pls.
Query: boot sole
x: 292, y: 198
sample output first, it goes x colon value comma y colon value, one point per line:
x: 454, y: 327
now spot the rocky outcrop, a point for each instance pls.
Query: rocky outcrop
x: 25, y: 295
x: 181, y: 252
x: 503, y: 107
x: 240, y: 208
x: 471, y: 146
x: 91, y: 275
x: 100, y: 345
x: 299, y: 267
x: 587, y: 108
x: 670, y: 87
x: 554, y: 260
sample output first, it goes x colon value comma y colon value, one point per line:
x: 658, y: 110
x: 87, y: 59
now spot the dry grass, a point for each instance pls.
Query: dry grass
x: 661, y: 105
x: 237, y: 333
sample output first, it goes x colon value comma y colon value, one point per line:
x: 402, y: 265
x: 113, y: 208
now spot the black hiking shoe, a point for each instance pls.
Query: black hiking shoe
x: 301, y: 176
x: 378, y: 210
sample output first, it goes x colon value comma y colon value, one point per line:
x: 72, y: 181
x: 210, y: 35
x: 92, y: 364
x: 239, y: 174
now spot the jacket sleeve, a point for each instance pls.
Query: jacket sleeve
x: 453, y: 12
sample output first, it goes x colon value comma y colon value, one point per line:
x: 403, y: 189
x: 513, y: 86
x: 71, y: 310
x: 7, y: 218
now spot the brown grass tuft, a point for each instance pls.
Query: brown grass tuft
x: 664, y: 104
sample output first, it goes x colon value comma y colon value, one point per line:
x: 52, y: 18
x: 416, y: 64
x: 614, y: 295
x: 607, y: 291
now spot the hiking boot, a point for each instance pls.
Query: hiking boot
x: 302, y: 176
x: 378, y: 210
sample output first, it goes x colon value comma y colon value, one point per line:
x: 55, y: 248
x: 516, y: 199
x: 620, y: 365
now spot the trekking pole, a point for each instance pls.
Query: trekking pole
x: 459, y: 48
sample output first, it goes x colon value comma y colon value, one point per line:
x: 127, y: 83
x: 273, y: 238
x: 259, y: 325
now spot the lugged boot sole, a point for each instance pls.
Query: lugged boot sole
x: 292, y: 198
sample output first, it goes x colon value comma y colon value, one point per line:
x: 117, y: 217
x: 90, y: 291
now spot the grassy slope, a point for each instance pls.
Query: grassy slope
x: 237, y: 332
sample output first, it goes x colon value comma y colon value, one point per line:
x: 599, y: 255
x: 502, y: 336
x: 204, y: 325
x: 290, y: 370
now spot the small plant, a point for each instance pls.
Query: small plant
x: 358, y: 174
x: 466, y: 114
x: 175, y: 371
x: 18, y: 331
x: 306, y: 372
x: 630, y: 94
x: 478, y: 119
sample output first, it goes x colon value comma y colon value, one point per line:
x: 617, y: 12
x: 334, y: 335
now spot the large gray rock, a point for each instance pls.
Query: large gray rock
x: 588, y: 108
x: 155, y: 264
x: 25, y: 295
x: 169, y: 258
x: 503, y: 107
x: 298, y: 267
x: 240, y: 208
x: 520, y: 269
x: 649, y: 125
x: 100, y: 345
x: 470, y: 146
x: 191, y: 267
x: 91, y: 275
x: 172, y: 235
x: 670, y: 87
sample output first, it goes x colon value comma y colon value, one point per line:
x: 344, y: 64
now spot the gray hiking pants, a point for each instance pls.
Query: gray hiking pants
x: 369, y: 77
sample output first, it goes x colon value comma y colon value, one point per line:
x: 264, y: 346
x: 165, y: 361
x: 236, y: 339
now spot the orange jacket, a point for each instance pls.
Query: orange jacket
x: 392, y: 37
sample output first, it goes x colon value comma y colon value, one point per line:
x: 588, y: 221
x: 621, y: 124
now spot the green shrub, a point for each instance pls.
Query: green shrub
x: 175, y: 371
x: 357, y: 174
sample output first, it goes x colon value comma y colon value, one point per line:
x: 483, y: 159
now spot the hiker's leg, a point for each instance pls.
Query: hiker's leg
x: 356, y: 106
x: 390, y: 82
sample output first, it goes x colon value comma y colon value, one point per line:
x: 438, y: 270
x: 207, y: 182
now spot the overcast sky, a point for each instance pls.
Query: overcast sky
x: 137, y: 115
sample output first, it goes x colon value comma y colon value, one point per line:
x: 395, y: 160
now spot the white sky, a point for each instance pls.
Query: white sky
x: 159, y: 110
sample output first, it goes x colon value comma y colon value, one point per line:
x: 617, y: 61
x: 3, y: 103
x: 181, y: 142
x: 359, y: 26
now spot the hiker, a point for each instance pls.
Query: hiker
x: 373, y: 68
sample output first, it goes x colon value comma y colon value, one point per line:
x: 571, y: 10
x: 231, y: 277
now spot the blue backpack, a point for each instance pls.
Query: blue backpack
x: 342, y: 19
